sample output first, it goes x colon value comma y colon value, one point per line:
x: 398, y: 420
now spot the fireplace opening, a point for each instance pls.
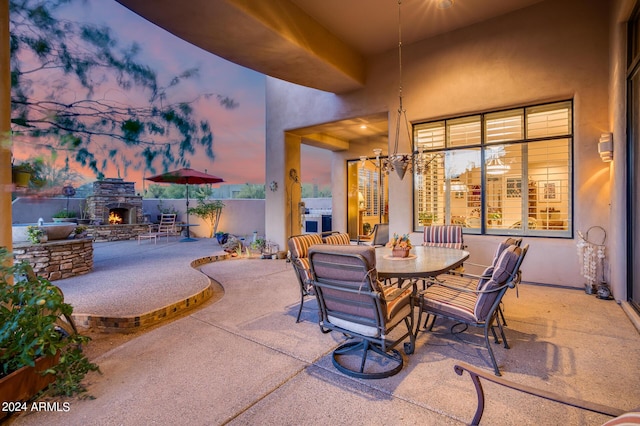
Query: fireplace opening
x: 118, y: 216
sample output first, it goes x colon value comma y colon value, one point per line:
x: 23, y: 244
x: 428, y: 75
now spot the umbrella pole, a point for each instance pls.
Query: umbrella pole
x: 188, y: 236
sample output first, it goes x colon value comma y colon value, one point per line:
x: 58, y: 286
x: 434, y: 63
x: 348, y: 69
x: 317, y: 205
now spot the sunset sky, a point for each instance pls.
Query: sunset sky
x: 239, y: 134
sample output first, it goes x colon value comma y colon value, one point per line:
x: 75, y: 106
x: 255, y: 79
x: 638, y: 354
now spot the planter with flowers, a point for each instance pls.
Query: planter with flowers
x: 36, y: 235
x: 400, y: 245
x: 38, y: 342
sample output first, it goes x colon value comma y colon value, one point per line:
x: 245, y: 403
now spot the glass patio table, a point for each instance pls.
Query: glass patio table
x: 423, y: 262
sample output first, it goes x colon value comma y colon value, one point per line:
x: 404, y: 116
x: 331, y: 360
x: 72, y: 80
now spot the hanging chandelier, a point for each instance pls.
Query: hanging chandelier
x: 495, y: 166
x: 417, y: 162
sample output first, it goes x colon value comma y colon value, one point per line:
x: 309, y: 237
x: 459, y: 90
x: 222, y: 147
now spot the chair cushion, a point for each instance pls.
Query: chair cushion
x: 449, y: 236
x: 502, y: 272
x: 341, y: 238
x: 445, y: 301
x: 299, y: 244
x: 502, y: 247
x: 325, y: 252
x: 302, y: 263
x: 394, y: 305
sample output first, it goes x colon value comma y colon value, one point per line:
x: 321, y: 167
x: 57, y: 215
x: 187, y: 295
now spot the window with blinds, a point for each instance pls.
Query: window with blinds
x: 503, y: 172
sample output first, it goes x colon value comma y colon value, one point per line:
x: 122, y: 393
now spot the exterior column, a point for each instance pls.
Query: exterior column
x: 5, y: 129
x: 282, y: 193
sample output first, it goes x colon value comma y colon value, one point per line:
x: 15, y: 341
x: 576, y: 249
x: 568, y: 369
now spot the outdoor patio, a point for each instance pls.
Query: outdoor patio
x: 244, y: 360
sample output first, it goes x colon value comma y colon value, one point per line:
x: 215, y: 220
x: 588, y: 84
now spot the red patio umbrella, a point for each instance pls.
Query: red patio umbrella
x: 186, y: 176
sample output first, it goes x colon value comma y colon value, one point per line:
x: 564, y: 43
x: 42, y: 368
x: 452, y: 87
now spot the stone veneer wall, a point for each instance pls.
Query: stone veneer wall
x: 114, y: 193
x: 103, y: 233
x: 59, y: 259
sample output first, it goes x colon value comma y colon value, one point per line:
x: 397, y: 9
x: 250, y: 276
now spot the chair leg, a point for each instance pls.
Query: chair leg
x: 487, y: 326
x: 504, y: 337
x: 394, y: 356
x: 410, y: 347
x: 501, y: 313
x: 300, y: 309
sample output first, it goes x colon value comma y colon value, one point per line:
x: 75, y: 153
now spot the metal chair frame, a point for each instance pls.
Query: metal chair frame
x: 485, y: 323
x: 332, y: 291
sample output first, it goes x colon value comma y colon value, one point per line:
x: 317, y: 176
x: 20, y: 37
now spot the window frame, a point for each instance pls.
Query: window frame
x: 526, y: 142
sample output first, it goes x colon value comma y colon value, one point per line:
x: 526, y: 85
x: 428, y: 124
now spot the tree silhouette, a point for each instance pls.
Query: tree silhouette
x: 62, y: 79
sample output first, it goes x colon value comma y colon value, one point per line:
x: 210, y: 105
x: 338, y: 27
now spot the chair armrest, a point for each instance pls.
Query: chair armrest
x: 476, y: 374
x: 467, y: 275
x: 471, y: 290
x: 398, y: 291
x: 361, y: 238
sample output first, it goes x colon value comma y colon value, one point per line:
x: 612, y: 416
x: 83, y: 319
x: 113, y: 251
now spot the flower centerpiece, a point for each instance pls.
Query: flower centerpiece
x: 400, y: 245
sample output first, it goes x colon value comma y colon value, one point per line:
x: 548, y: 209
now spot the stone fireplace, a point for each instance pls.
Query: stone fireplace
x: 114, y: 202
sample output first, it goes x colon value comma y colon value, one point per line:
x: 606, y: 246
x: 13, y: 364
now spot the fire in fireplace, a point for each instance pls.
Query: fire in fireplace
x: 114, y: 218
x: 119, y: 215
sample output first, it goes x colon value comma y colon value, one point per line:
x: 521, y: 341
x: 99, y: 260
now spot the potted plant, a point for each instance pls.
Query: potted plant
x: 210, y: 211
x: 65, y: 216
x: 21, y: 174
x: 28, y: 174
x: 36, y: 329
x: 36, y: 235
x: 80, y: 231
x: 221, y: 237
x: 258, y: 245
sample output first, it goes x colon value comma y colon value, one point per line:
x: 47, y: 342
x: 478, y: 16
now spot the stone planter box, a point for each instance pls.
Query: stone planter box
x: 55, y: 260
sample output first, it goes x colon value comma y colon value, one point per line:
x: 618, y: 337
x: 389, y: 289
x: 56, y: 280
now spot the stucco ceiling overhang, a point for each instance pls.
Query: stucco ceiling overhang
x: 320, y: 44
x: 273, y: 37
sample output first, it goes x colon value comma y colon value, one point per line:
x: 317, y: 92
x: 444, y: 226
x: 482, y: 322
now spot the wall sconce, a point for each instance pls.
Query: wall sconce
x: 273, y: 186
x: 605, y: 147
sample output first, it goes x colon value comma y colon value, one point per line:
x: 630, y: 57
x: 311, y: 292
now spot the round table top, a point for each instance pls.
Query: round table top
x: 426, y: 262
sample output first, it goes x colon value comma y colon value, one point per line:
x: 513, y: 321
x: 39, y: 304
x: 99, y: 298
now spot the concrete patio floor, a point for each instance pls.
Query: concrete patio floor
x: 244, y: 360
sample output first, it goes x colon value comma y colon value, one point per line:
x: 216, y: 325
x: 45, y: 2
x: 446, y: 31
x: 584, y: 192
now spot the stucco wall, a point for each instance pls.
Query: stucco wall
x: 239, y: 216
x: 555, y: 50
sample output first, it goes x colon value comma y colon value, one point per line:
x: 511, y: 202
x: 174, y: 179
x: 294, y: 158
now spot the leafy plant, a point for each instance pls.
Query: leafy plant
x: 166, y: 210
x: 31, y: 309
x: 210, y: 211
x: 85, y: 210
x: 80, y: 229
x: 366, y: 228
x: 258, y: 244
x: 65, y: 214
x: 34, y: 169
x: 35, y: 233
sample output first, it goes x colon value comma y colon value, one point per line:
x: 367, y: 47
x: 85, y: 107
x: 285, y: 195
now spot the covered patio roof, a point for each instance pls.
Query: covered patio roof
x: 324, y: 45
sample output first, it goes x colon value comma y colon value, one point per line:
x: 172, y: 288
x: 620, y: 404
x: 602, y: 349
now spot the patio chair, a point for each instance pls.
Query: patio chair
x: 378, y: 237
x: 337, y: 238
x: 621, y: 417
x: 449, y: 236
x: 166, y: 228
x: 298, y: 250
x: 470, y: 280
x: 352, y: 301
x: 474, y: 307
